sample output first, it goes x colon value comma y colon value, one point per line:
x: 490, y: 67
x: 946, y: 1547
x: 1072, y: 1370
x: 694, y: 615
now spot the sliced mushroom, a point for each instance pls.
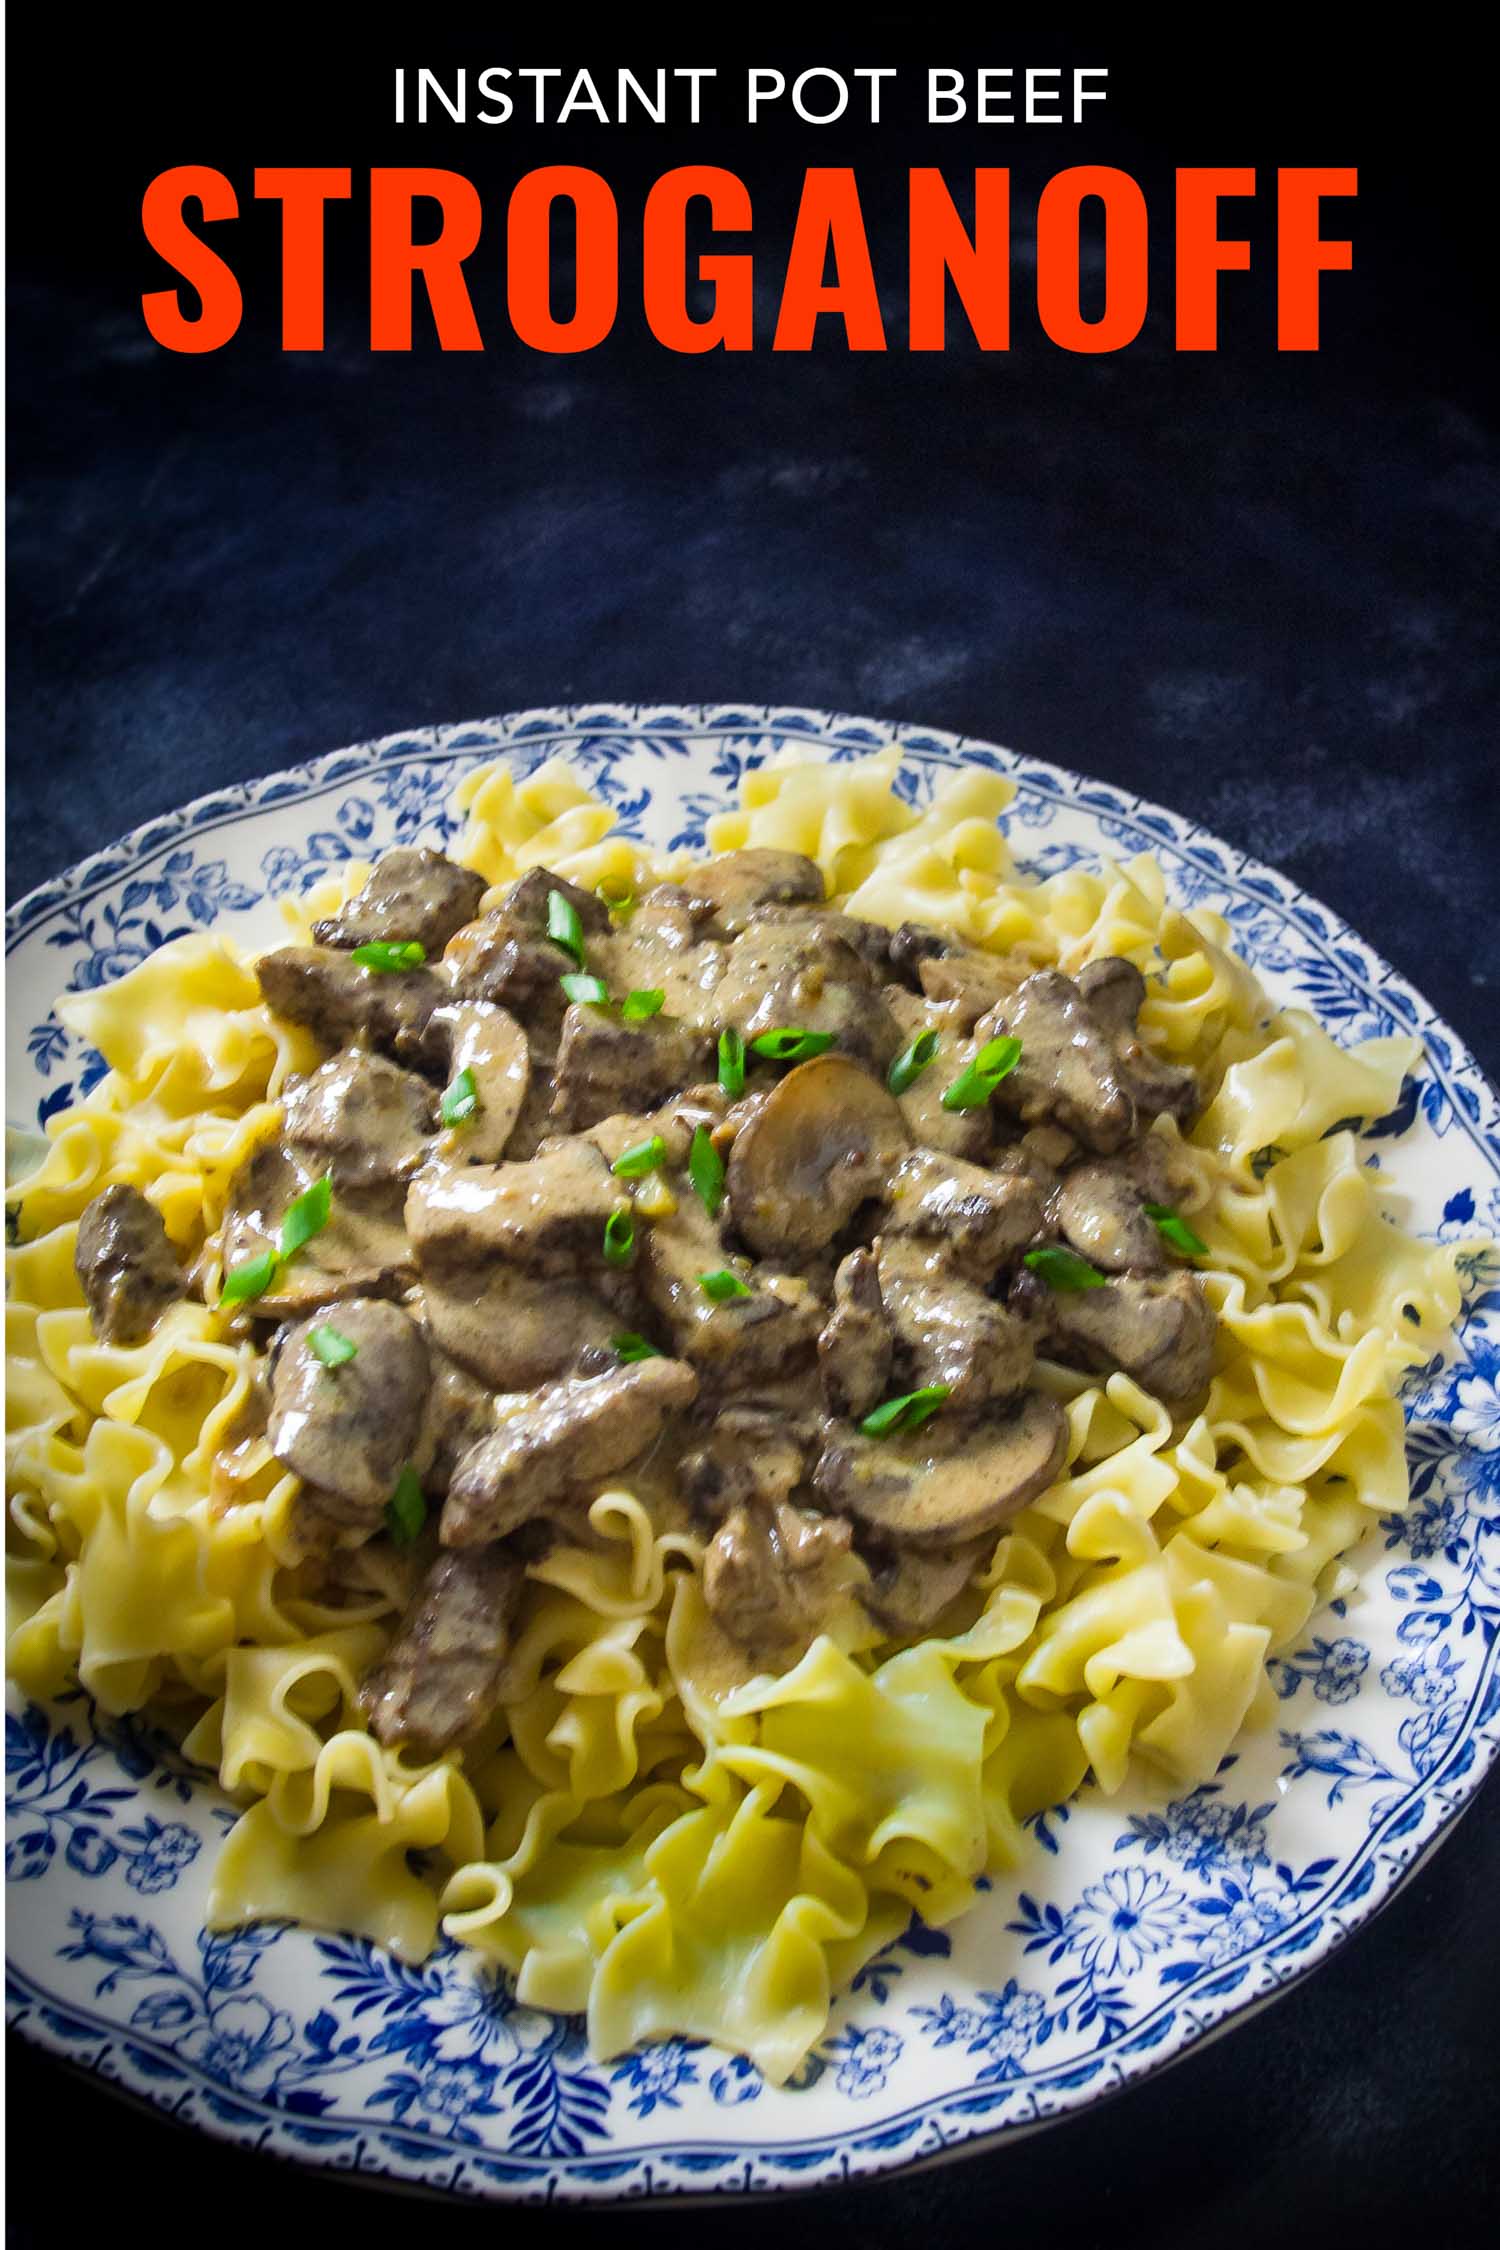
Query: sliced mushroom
x: 348, y: 1429
x: 735, y: 884
x: 1101, y: 1211
x: 827, y: 1139
x: 950, y: 1481
x: 567, y: 1436
x: 910, y: 1588
x: 488, y: 1041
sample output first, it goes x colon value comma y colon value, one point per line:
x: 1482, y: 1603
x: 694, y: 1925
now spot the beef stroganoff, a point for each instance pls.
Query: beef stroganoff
x: 697, y: 1395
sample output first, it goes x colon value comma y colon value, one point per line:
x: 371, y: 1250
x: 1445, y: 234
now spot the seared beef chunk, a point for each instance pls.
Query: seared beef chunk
x: 360, y: 1119
x: 803, y: 975
x: 951, y: 1480
x: 440, y: 1678
x: 945, y: 1330
x: 910, y: 1588
x: 508, y: 956
x: 362, y: 1252
x: 456, y: 1413
x: 968, y: 1133
x: 347, y: 1429
x: 605, y: 1065
x: 547, y: 1214
x: 1161, y: 1331
x: 338, y: 1000
x: 1114, y: 990
x: 978, y: 1216
x: 911, y: 945
x: 1068, y: 1071
x: 854, y: 1350
x: 667, y: 946
x: 125, y: 1264
x: 970, y: 984
x: 752, y: 1453
x: 736, y: 1340
x: 737, y: 883
x: 825, y: 1140
x: 771, y: 1574
x: 411, y: 895
x: 868, y: 939
x: 570, y: 1435
x: 1101, y: 1209
x: 490, y: 1045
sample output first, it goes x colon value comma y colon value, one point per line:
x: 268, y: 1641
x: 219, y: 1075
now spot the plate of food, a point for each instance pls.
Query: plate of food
x: 743, y: 1446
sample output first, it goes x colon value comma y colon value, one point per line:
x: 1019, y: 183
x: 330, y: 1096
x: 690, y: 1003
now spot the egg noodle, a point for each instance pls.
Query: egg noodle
x: 634, y: 1835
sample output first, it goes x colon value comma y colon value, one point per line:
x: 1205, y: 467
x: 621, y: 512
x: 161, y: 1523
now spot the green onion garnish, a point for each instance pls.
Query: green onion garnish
x: 1064, y: 1269
x: 906, y: 1413
x: 911, y: 1062
x: 406, y: 1509
x: 706, y: 1171
x: 563, y: 925
x: 460, y: 1100
x: 1173, y: 1228
x: 644, y: 1001
x: 635, y: 1162
x: 722, y: 1285
x: 331, y: 1345
x: 388, y: 955
x: 307, y: 1216
x: 589, y: 992
x: 619, y: 1238
x: 631, y: 1347
x: 791, y: 1044
x: 996, y: 1059
x: 613, y: 901
x: 251, y: 1278
x: 732, y: 1064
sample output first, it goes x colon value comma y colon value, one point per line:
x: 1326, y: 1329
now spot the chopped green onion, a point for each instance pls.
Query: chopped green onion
x: 996, y: 1059
x: 732, y: 1064
x: 406, y: 1509
x: 644, y: 1001
x: 706, y: 1171
x: 460, y: 1100
x: 1064, y: 1269
x: 589, y: 992
x: 251, y: 1278
x: 619, y: 1238
x: 633, y: 1163
x: 911, y: 1062
x: 630, y: 1347
x: 1173, y: 1228
x: 791, y: 1044
x: 307, y: 1216
x: 722, y: 1285
x: 563, y: 925
x: 613, y: 901
x: 388, y: 955
x: 331, y: 1345
x: 906, y: 1413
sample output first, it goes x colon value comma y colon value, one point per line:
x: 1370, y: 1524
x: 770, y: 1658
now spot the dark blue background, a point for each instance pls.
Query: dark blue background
x: 1260, y: 589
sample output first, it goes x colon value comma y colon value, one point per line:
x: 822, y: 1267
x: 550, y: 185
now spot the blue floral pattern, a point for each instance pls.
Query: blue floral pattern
x: 1133, y: 1927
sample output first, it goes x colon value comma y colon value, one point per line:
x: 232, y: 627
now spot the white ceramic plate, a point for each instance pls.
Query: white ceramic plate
x: 1140, y: 1924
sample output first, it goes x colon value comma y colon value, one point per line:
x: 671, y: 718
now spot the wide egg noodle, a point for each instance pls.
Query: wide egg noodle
x: 643, y: 1832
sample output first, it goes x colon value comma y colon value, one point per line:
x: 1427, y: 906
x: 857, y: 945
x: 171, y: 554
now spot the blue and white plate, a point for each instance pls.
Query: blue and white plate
x: 1139, y: 1925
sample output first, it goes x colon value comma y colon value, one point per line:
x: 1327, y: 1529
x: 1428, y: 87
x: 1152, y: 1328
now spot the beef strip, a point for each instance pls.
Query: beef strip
x: 547, y: 1214
x: 606, y: 1065
x: 361, y: 1119
x: 737, y: 1341
x: 339, y: 1001
x: 910, y: 1588
x: 363, y: 1251
x: 854, y: 1350
x: 125, y: 1264
x: 569, y: 1435
x: 870, y: 940
x: 1114, y: 990
x: 440, y: 1678
x: 802, y: 975
x: 980, y: 1217
x: 737, y: 884
x: 945, y: 1330
x: 752, y: 1453
x: 411, y: 895
x: 1068, y: 1071
x: 1160, y: 1331
x: 771, y: 1574
x: 348, y: 1430
x: 970, y: 984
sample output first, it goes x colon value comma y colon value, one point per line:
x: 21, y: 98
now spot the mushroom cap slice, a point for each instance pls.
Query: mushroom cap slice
x: 949, y: 1481
x: 826, y: 1140
x: 487, y: 1040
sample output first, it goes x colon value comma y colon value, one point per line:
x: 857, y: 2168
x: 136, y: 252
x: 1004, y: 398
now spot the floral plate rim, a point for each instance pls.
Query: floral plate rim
x: 963, y: 2119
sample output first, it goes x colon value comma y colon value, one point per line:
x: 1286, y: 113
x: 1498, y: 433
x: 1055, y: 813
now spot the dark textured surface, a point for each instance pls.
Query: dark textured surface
x: 1260, y: 590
